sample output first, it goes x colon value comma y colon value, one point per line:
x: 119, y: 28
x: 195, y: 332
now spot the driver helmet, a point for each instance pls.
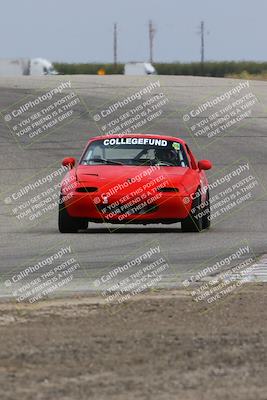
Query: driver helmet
x: 166, y: 155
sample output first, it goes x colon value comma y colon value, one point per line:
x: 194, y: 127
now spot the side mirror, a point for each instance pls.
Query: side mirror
x: 68, y: 162
x: 204, y: 164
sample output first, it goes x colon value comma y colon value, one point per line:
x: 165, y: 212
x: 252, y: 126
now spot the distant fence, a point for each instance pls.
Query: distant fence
x: 211, y: 68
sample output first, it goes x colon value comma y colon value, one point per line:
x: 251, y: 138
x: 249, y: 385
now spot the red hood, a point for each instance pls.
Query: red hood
x: 102, y: 175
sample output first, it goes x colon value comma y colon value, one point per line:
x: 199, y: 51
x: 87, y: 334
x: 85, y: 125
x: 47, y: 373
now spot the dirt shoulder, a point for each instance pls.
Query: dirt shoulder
x: 157, y: 346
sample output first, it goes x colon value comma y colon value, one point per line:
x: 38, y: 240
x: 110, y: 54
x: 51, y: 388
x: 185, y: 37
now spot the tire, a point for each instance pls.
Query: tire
x: 68, y: 224
x: 206, y: 216
x: 194, y: 221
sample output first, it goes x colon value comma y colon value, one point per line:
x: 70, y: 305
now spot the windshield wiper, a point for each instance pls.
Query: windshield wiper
x: 105, y: 161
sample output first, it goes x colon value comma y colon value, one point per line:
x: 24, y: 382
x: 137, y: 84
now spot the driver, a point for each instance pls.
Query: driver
x: 167, y: 155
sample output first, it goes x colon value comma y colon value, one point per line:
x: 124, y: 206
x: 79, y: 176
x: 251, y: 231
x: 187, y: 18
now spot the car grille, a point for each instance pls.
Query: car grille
x: 86, y: 189
x: 136, y: 209
x: 167, y: 189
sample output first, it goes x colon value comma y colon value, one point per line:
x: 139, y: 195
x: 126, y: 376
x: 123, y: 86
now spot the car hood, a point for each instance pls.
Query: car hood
x: 112, y: 174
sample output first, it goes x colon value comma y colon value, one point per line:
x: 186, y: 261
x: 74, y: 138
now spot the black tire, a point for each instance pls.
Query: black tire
x: 206, y: 216
x: 193, y: 223
x: 68, y: 224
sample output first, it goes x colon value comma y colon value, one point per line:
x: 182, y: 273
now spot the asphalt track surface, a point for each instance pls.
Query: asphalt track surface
x: 99, y: 249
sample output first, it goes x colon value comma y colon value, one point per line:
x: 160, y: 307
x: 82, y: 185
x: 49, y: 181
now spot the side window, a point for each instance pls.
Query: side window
x: 193, y: 161
x: 183, y: 158
x: 95, y: 151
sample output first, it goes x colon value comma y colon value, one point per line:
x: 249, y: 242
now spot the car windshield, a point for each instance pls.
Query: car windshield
x: 135, y: 151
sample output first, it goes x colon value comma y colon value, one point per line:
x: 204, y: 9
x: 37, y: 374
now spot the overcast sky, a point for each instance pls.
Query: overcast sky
x: 81, y: 30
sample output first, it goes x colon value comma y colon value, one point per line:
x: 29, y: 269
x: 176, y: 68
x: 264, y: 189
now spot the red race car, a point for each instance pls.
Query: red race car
x: 135, y: 179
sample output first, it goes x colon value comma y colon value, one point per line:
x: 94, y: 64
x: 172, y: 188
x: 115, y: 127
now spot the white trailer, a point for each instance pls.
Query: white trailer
x: 139, y: 68
x: 40, y: 66
x: 26, y: 66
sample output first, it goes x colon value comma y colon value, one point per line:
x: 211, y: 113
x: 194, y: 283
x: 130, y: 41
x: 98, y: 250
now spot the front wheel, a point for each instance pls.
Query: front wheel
x: 68, y: 224
x: 194, y: 221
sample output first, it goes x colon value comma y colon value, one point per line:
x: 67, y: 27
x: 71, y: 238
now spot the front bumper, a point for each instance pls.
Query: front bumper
x: 159, y: 206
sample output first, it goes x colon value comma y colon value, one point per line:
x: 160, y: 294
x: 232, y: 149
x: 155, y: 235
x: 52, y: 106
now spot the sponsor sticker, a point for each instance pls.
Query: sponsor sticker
x: 176, y: 146
x: 128, y: 141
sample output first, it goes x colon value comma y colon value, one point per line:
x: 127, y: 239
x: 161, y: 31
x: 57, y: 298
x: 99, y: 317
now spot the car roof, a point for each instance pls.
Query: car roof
x: 144, y: 135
